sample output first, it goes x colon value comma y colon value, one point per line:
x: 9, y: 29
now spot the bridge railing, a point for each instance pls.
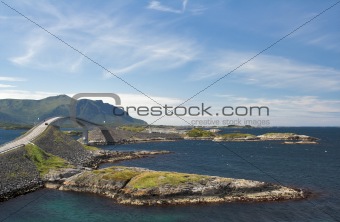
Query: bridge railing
x: 14, y: 147
x: 35, y: 136
x: 26, y: 133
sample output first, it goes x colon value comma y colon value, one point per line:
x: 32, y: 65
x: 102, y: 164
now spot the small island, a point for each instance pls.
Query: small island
x: 140, y: 134
x: 287, y: 138
x: 139, y: 186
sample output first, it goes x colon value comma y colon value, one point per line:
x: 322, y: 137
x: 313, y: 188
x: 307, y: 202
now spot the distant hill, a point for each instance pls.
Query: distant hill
x: 26, y: 112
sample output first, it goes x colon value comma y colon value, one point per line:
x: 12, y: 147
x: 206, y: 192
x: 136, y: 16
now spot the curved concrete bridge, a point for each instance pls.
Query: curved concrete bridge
x: 40, y: 128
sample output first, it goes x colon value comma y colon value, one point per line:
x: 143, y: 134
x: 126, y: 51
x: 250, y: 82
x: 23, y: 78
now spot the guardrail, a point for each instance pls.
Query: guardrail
x: 34, y: 137
x: 23, y: 136
x: 20, y: 137
x: 13, y: 148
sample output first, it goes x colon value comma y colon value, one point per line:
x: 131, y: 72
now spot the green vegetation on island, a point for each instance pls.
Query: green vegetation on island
x: 142, y: 179
x: 197, y: 132
x: 136, y: 129
x: 232, y: 136
x: 44, y: 161
x: 153, y: 179
x: 53, y: 157
x: 140, y: 186
x: 138, y: 178
x: 279, y: 134
x: 90, y: 148
x: 116, y: 173
x: 73, y: 133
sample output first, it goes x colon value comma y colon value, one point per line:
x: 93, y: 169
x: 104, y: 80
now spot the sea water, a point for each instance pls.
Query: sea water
x: 314, y: 167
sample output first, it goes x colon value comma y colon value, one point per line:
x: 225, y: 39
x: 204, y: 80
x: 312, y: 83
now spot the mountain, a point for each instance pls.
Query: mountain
x: 28, y: 112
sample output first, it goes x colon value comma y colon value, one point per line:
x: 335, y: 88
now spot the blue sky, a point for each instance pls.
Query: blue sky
x: 172, y: 49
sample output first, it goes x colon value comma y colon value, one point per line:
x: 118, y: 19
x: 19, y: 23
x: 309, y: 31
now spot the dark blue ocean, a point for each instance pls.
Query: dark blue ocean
x: 311, y: 167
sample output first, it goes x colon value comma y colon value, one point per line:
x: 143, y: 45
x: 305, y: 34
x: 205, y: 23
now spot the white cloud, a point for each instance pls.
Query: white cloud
x: 141, y: 100
x: 284, y: 111
x: 157, y: 5
x: 272, y: 72
x: 34, y: 45
x: 11, y: 79
x: 6, y: 86
x: 291, y: 106
x: 130, y: 99
x: 135, y: 100
x: 138, y: 100
x: 23, y: 94
x: 198, y: 10
x: 24, y: 59
x: 121, y: 44
x: 158, y: 54
x: 328, y: 41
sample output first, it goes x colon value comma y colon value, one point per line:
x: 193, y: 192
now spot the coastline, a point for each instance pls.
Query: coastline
x: 197, y: 189
x: 86, y: 160
x: 23, y: 186
x: 147, y: 187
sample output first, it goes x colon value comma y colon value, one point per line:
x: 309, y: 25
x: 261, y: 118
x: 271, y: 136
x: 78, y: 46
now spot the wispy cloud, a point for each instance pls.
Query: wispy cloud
x: 117, y: 43
x: 34, y: 45
x: 198, y: 10
x: 154, y: 53
x: 24, y: 59
x: 11, y: 79
x: 157, y: 5
x: 329, y: 41
x: 6, y: 86
x: 24, y: 94
x: 320, y: 34
x: 292, y: 110
x: 272, y: 72
x: 304, y: 105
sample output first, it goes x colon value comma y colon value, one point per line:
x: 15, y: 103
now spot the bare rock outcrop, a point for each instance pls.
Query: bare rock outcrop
x: 139, y: 186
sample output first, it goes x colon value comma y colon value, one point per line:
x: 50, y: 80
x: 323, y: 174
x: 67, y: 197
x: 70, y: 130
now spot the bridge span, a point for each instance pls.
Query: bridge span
x: 41, y: 127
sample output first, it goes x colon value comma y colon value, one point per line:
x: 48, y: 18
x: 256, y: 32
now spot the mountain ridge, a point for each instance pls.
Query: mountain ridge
x: 29, y: 111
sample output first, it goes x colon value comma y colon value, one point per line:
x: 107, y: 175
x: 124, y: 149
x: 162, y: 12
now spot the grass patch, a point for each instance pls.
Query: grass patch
x: 44, y: 161
x: 73, y: 133
x: 279, y: 134
x: 237, y: 136
x: 156, y: 179
x: 58, y: 140
x: 117, y: 173
x: 91, y: 148
x: 136, y: 129
x: 140, y: 179
x: 196, y: 132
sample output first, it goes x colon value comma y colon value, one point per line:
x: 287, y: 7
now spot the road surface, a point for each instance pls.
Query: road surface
x: 31, y: 135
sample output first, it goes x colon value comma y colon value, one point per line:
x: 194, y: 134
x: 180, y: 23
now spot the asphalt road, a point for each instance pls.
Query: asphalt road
x: 34, y: 133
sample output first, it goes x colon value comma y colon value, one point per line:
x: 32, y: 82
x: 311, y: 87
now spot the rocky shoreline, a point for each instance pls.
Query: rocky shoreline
x: 288, y: 138
x: 55, y: 160
x: 26, y: 179
x: 22, y: 169
x: 140, y: 186
x: 18, y: 175
x: 118, y: 136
